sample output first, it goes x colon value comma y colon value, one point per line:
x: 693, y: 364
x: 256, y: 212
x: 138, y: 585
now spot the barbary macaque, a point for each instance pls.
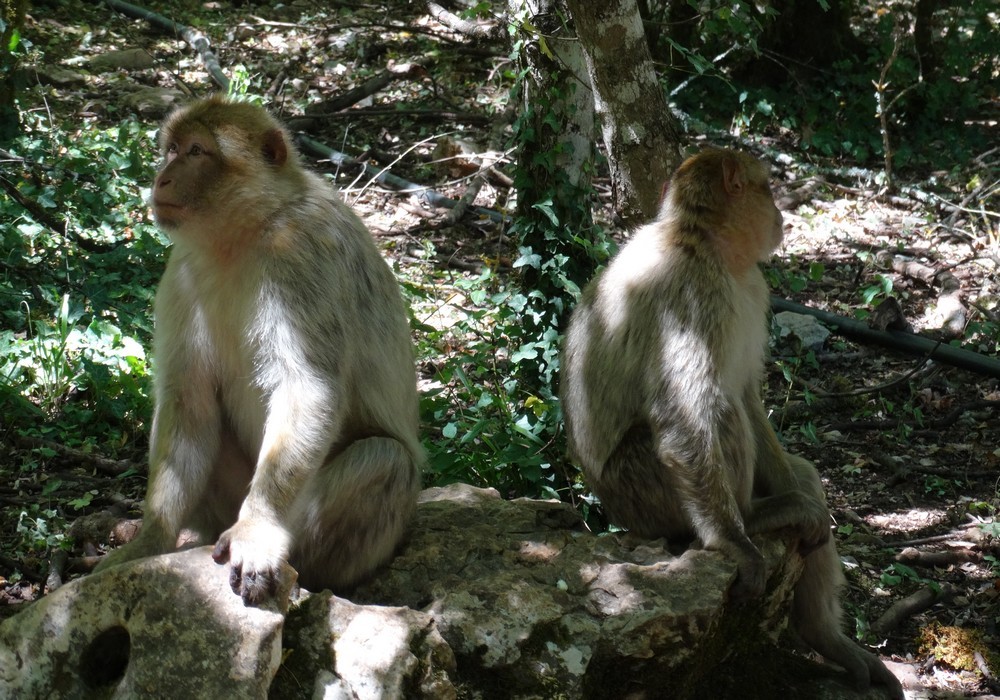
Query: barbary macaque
x: 661, y: 373
x: 285, y: 419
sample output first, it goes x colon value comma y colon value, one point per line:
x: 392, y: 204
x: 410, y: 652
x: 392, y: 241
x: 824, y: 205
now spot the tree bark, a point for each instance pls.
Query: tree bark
x: 640, y: 134
x: 557, y: 101
x: 12, y: 15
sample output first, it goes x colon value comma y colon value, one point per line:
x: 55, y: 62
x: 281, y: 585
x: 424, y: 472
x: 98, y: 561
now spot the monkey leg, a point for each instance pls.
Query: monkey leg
x: 353, y: 513
x: 816, y: 618
x: 797, y: 511
x: 654, y: 497
x: 638, y: 492
x: 206, y: 513
x: 219, y: 505
x: 788, y: 491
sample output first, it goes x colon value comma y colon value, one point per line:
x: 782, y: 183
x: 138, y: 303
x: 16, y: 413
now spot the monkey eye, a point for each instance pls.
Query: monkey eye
x: 196, y: 150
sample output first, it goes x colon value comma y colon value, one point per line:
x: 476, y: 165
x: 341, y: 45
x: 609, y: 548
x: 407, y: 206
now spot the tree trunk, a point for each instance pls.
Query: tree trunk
x: 11, y: 22
x: 641, y: 135
x: 555, y: 138
x: 804, y: 35
x: 557, y: 103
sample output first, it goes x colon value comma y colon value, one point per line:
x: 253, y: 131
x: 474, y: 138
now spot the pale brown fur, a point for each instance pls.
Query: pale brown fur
x: 661, y: 376
x: 285, y: 422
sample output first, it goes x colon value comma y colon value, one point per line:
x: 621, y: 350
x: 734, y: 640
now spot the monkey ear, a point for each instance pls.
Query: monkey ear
x: 734, y: 176
x: 275, y: 149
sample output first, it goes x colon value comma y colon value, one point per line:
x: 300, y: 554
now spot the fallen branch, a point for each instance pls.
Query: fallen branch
x: 195, y: 39
x: 470, y: 194
x: 912, y: 556
x: 492, y: 30
x: 949, y: 304
x: 110, y: 467
x: 356, y: 94
x: 909, y: 606
x: 896, y: 340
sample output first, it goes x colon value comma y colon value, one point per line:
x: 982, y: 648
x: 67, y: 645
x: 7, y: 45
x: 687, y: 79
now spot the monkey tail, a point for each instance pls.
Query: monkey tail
x: 816, y: 618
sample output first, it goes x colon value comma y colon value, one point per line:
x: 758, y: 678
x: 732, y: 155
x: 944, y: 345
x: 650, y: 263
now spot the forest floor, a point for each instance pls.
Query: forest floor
x: 909, y: 448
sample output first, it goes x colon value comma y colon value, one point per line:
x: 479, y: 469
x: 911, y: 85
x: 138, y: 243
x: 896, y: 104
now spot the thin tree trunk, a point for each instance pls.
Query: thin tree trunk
x: 12, y: 20
x: 640, y: 134
x: 557, y: 98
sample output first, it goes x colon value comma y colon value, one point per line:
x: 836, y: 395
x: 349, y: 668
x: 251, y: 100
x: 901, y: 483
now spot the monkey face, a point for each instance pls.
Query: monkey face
x: 187, y: 180
x: 755, y: 210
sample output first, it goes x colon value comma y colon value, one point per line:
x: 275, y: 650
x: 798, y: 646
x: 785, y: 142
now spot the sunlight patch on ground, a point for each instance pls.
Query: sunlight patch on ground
x: 913, y: 520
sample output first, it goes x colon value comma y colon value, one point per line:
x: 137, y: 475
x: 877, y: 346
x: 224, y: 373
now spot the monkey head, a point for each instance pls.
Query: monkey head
x: 726, y: 194
x: 226, y: 165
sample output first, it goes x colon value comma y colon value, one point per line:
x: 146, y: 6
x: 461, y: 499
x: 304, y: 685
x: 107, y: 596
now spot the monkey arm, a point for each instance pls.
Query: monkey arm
x: 187, y: 419
x: 184, y: 443
x: 301, y: 424
x: 706, y: 453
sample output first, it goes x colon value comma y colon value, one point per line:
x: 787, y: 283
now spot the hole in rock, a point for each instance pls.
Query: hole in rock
x: 105, y: 659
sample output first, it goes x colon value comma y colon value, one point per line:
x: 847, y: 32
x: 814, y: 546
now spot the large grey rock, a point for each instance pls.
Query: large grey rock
x: 534, y: 605
x: 161, y: 627
x: 488, y: 599
x: 367, y: 652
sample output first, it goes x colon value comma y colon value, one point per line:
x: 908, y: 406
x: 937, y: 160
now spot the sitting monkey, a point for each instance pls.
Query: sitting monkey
x: 661, y: 375
x: 285, y: 419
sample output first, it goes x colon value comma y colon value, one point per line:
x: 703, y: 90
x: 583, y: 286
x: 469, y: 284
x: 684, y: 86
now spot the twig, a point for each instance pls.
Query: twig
x: 435, y: 114
x: 947, y: 420
x: 111, y: 467
x: 425, y: 194
x: 933, y: 539
x: 865, y: 390
x: 883, y: 108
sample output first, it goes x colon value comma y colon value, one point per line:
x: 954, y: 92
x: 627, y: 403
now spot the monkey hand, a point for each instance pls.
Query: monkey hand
x: 751, y: 577
x: 814, y: 531
x: 255, y: 551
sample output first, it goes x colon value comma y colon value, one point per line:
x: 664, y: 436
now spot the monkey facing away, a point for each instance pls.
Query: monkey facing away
x: 285, y: 420
x: 661, y: 374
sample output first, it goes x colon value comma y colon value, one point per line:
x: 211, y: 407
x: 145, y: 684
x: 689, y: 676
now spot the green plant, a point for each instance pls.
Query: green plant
x: 81, y: 260
x: 897, y: 573
x: 495, y: 393
x: 939, y: 486
x: 880, y: 289
x: 53, y: 360
x: 39, y: 530
x: 789, y: 275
